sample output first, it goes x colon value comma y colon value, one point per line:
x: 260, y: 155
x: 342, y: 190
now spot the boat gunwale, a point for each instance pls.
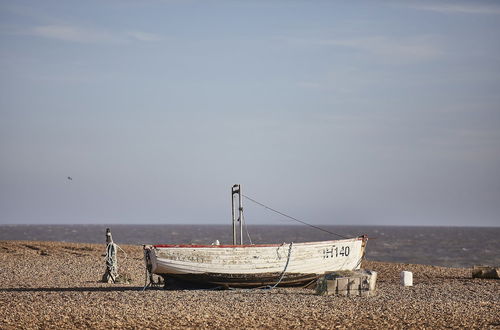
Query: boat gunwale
x: 363, y: 238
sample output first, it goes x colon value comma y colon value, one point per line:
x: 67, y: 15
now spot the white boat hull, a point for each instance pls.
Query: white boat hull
x: 255, y: 265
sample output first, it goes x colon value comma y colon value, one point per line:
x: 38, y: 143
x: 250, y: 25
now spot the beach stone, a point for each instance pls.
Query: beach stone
x: 61, y: 291
x: 123, y: 278
x: 486, y: 272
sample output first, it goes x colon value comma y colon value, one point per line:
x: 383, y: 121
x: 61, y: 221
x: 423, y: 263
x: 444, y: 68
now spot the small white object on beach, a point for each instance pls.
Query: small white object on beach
x: 406, y: 278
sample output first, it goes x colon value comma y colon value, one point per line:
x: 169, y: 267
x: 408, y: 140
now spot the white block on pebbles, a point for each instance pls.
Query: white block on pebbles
x: 406, y: 278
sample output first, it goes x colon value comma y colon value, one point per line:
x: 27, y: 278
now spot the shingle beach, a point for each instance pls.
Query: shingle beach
x: 57, y: 285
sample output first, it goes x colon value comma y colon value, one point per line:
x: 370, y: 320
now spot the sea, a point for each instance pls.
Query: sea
x: 439, y: 246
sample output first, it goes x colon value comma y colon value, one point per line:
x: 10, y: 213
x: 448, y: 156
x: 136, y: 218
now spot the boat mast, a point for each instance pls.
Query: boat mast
x: 237, y: 212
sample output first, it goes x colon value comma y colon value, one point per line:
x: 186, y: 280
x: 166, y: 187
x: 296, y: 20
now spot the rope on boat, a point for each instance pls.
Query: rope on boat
x: 284, y: 270
x: 246, y: 228
x: 146, y: 274
x: 290, y: 217
x: 358, y: 263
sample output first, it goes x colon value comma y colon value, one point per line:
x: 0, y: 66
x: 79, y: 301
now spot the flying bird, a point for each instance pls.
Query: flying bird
x: 70, y: 178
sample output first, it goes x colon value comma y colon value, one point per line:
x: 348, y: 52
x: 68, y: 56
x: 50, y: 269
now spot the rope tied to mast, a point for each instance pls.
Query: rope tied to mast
x: 292, y: 218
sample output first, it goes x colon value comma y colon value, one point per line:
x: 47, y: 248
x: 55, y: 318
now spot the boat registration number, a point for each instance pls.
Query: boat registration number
x: 336, y: 251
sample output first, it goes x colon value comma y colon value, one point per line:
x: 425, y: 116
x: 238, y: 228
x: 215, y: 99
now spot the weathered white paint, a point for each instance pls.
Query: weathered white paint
x: 305, y: 258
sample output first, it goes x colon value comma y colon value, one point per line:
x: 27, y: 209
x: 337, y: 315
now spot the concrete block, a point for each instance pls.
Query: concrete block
x: 343, y: 284
x: 372, y: 281
x: 343, y: 293
x: 331, y: 285
x: 366, y: 293
x: 352, y: 283
x: 406, y: 278
x: 321, y: 286
x: 365, y: 283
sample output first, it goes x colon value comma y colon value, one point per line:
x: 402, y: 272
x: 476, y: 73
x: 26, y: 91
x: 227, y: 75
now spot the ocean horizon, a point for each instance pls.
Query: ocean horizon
x: 431, y: 245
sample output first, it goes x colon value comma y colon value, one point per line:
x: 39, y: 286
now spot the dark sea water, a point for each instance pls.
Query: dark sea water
x: 441, y: 246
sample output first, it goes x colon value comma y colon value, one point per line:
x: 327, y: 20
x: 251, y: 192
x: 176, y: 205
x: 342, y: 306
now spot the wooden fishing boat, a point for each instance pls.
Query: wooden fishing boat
x: 254, y: 265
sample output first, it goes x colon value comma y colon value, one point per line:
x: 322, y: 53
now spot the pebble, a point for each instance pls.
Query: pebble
x: 61, y: 289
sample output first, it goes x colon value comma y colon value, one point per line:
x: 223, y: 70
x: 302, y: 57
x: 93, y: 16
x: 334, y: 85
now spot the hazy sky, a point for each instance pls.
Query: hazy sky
x: 377, y: 112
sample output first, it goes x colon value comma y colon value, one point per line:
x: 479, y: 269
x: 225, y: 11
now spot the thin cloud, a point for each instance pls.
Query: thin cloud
x: 407, y: 49
x: 143, y: 36
x: 73, y: 34
x: 77, y: 34
x: 463, y: 8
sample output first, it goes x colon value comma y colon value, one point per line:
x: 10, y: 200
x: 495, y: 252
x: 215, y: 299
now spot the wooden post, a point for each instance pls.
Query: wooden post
x: 111, y: 272
x: 109, y: 238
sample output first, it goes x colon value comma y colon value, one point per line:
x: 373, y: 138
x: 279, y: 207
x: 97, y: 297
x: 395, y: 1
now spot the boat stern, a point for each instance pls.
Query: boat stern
x: 364, y: 239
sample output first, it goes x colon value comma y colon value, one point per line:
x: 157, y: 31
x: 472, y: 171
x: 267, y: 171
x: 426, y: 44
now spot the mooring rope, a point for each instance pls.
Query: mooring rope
x: 146, y: 284
x: 290, y: 217
x: 284, y: 270
x: 148, y: 275
x: 111, y: 260
x: 246, y: 228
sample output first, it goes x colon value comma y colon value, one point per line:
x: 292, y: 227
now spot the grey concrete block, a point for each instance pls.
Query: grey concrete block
x: 342, y: 284
x: 352, y: 283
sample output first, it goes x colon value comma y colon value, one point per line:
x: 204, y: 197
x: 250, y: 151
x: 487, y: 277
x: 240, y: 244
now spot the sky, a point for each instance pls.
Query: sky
x: 334, y: 112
